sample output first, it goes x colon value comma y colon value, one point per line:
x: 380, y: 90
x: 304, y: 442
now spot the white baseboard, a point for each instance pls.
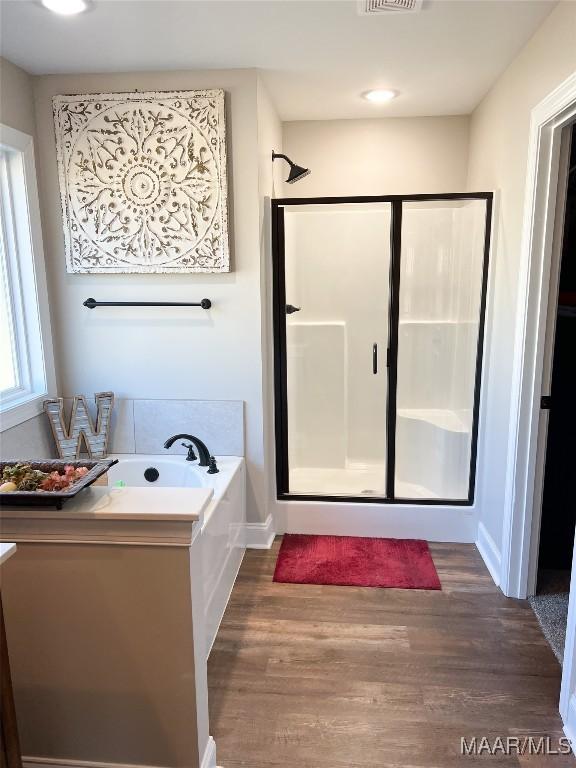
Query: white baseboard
x: 260, y: 535
x: 570, y: 722
x: 396, y: 521
x: 489, y: 552
x: 208, y: 761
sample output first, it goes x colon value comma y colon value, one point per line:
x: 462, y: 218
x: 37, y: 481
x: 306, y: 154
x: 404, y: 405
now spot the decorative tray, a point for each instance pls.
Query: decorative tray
x: 53, y: 498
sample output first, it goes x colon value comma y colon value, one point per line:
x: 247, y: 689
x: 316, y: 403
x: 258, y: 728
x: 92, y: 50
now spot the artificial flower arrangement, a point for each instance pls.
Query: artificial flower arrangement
x: 21, y: 477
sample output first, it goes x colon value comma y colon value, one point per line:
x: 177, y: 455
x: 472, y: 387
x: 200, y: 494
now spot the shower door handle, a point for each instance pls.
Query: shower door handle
x: 290, y: 309
x: 374, y: 358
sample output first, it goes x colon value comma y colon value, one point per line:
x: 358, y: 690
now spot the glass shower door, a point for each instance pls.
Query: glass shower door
x: 379, y: 322
x: 336, y: 278
x: 440, y: 300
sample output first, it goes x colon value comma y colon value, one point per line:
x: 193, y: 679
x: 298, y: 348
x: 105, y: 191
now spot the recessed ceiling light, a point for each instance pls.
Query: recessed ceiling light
x: 380, y: 95
x: 65, y: 7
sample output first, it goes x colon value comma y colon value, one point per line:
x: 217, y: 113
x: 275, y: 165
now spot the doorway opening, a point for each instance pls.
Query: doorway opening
x: 558, y: 516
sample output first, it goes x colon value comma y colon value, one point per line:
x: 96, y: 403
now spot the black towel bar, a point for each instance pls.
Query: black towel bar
x: 92, y: 303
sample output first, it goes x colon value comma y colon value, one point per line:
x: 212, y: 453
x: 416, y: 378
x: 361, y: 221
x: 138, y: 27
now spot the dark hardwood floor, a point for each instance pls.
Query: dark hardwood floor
x: 344, y: 677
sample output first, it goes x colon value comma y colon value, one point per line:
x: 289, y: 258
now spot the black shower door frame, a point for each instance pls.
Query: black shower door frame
x: 280, y: 358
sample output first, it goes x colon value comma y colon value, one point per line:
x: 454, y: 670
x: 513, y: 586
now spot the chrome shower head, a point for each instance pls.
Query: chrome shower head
x: 297, y: 172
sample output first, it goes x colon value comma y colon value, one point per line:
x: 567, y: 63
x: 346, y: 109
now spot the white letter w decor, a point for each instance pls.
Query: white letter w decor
x: 69, y: 441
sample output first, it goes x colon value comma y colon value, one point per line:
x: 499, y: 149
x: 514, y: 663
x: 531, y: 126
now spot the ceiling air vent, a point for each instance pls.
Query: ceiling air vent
x: 369, y: 7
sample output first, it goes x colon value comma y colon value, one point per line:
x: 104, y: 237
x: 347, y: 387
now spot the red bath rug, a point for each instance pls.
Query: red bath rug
x: 353, y: 561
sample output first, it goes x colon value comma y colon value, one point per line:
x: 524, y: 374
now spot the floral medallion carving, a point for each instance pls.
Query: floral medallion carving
x: 143, y: 181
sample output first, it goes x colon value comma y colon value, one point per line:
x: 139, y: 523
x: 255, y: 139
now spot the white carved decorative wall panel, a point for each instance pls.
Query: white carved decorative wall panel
x: 143, y: 181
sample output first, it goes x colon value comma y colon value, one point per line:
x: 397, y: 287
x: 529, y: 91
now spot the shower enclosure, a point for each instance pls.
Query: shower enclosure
x: 379, y: 307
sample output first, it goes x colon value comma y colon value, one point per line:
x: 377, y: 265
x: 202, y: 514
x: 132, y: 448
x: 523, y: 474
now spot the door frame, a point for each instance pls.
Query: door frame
x: 521, y: 515
x: 548, y: 358
x: 280, y: 357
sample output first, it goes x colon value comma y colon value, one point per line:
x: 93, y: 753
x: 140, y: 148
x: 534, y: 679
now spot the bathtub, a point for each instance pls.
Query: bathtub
x: 173, y: 471
x: 220, y: 533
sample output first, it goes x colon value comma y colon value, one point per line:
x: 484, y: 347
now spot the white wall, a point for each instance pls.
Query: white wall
x: 164, y: 353
x: 17, y: 104
x: 378, y: 156
x: 270, y: 185
x: 498, y: 160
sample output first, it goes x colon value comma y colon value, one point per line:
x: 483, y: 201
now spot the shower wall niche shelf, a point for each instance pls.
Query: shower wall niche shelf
x: 402, y: 428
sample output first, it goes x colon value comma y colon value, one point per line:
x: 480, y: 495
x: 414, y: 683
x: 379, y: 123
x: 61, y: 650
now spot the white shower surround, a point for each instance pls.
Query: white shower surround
x: 143, y: 181
x: 337, y: 407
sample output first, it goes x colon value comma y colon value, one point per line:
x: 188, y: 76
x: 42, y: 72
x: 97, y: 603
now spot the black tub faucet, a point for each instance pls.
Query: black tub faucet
x: 206, y: 460
x: 190, y: 456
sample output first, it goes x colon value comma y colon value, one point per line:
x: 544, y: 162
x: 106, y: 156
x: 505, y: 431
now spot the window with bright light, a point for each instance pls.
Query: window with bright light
x: 9, y: 378
x: 26, y: 365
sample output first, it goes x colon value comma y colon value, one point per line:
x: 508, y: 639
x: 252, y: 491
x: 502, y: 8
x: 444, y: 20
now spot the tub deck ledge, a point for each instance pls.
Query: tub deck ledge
x: 123, y: 515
